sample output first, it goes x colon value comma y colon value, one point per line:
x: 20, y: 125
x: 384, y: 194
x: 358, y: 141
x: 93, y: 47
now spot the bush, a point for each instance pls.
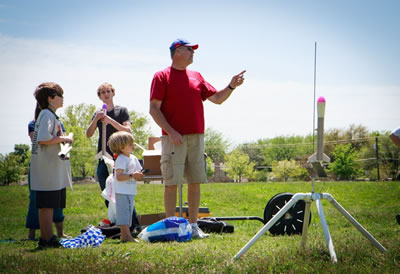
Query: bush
x: 10, y: 168
x: 288, y: 169
x: 344, y: 166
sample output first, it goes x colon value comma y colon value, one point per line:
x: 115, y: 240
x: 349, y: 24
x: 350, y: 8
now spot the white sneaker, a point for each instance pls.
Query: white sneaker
x: 197, y: 233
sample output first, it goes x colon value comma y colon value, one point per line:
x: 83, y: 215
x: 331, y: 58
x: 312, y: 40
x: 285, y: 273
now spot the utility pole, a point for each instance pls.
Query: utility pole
x: 377, y: 156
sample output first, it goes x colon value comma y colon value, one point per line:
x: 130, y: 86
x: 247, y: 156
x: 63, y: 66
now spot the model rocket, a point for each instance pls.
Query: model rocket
x: 103, y: 154
x: 320, y: 156
x: 65, y: 149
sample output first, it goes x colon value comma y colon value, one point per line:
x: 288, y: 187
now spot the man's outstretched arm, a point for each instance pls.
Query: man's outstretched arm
x: 220, y: 96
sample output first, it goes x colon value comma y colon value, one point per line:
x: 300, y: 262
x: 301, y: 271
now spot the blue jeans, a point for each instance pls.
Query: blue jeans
x: 32, y: 219
x: 102, y: 174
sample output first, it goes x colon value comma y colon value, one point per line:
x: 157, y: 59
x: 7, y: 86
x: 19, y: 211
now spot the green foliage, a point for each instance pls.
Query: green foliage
x: 260, y: 175
x: 10, y: 168
x: 140, y: 130
x: 286, y: 148
x: 215, y: 145
x: 24, y: 156
x: 286, y: 169
x: 356, y: 135
x: 262, y: 153
x: 22, y: 151
x: 343, y: 164
x: 238, y: 165
x: 389, y: 158
x: 76, y: 119
x: 210, y: 169
x: 254, y: 151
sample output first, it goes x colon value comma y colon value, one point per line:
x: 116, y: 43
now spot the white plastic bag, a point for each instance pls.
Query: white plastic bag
x: 109, y: 191
x: 112, y: 212
x: 109, y: 194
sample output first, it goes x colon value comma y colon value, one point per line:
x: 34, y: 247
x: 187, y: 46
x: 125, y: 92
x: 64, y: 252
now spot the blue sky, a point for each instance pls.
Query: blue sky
x: 81, y: 44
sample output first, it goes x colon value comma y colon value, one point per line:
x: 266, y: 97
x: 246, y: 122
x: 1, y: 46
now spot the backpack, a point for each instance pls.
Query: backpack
x: 213, y: 225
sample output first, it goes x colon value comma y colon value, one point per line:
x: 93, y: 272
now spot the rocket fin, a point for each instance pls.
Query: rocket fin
x: 312, y: 158
x: 325, y: 158
x: 100, y: 155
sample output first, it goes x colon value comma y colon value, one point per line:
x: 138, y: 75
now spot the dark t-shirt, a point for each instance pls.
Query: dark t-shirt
x: 119, y: 114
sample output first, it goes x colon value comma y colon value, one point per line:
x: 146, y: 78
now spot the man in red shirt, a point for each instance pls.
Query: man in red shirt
x: 176, y: 105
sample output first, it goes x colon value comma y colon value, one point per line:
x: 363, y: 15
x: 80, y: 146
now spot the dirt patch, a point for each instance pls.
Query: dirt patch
x: 82, y: 181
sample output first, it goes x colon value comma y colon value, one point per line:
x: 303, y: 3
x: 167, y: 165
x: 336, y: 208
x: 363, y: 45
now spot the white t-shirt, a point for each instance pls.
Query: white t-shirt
x: 396, y: 132
x: 129, y: 165
x: 48, y: 171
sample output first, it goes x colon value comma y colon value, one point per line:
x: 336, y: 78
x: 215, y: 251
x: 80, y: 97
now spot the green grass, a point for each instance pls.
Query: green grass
x: 373, y: 204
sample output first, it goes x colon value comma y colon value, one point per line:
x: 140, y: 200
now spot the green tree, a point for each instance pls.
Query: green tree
x: 10, y: 168
x: 343, y: 164
x: 24, y: 154
x: 22, y: 150
x: 215, y: 145
x: 210, y: 169
x: 356, y: 135
x: 238, y: 165
x: 286, y: 169
x: 254, y: 151
x: 140, y: 130
x: 286, y: 148
x: 389, y: 156
x: 76, y: 119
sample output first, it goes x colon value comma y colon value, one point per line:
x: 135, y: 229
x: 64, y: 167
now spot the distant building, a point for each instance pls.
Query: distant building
x: 219, y: 174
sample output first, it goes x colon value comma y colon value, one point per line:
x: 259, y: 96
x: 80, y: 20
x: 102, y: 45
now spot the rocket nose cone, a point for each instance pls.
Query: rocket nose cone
x: 321, y: 99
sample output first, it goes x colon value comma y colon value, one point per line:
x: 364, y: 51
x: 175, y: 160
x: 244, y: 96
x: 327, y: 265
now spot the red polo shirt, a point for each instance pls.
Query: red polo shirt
x: 182, y: 93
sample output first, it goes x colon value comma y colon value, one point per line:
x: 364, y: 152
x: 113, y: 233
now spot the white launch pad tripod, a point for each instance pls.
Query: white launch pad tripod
x: 309, y: 198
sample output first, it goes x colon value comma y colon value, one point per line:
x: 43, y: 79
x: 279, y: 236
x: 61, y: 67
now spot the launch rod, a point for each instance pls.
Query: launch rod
x: 315, y: 84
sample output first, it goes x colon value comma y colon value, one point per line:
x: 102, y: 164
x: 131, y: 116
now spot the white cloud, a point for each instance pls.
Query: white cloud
x: 79, y: 70
x: 258, y: 109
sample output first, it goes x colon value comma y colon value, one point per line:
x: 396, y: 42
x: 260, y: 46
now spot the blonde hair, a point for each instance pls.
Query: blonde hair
x: 118, y: 140
x: 105, y: 86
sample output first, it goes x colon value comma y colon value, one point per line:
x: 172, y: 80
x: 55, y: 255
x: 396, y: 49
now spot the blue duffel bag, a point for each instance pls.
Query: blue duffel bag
x: 169, y: 229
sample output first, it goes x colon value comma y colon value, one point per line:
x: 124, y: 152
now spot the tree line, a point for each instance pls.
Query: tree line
x: 355, y: 152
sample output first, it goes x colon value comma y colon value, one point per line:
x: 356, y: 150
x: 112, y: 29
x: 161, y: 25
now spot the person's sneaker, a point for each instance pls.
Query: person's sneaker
x: 398, y: 218
x: 52, y: 243
x: 41, y: 244
x: 197, y: 233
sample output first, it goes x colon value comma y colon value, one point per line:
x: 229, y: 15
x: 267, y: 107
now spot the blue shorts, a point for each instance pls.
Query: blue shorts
x: 124, y: 203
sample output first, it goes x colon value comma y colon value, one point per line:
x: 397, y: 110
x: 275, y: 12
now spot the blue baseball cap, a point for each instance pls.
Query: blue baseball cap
x: 182, y: 42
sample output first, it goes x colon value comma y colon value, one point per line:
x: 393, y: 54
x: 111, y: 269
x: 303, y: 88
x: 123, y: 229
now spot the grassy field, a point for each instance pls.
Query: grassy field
x: 373, y: 204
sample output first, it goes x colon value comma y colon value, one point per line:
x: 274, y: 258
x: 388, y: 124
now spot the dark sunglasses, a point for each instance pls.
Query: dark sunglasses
x: 57, y: 94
